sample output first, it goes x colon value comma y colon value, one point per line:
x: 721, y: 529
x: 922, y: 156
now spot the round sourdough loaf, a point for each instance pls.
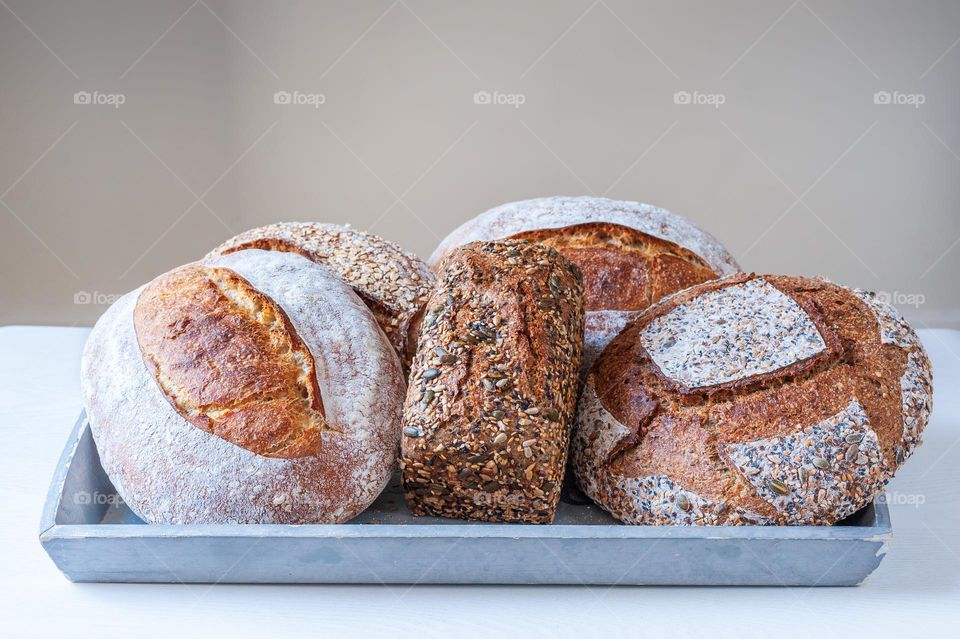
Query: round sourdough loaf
x: 752, y: 400
x: 392, y: 282
x: 491, y: 396
x: 255, y: 387
x: 630, y: 254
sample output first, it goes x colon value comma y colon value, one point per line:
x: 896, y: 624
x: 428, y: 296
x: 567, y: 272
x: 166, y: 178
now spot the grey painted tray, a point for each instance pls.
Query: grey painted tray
x: 92, y: 536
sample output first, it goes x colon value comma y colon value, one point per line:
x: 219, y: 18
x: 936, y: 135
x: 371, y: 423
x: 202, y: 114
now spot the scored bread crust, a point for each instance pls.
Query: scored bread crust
x: 559, y: 212
x: 493, y: 385
x: 394, y: 283
x: 169, y: 470
x: 631, y: 254
x: 197, y: 327
x: 752, y: 400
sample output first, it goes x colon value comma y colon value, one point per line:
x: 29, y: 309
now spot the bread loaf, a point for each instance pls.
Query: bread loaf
x: 630, y: 254
x: 254, y: 387
x: 492, y: 388
x: 392, y: 282
x: 752, y: 400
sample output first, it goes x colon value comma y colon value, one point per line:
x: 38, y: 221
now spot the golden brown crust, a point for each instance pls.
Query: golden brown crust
x: 393, y: 283
x: 493, y: 385
x: 706, y: 440
x: 623, y: 268
x: 229, y: 361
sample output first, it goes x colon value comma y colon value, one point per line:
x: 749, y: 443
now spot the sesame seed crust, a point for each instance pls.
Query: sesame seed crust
x: 392, y: 282
x: 809, y: 442
x: 492, y: 389
x: 916, y: 384
x: 835, y: 465
x: 729, y: 334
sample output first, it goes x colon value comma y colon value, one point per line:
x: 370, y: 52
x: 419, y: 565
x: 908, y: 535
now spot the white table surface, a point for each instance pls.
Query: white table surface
x: 915, y: 592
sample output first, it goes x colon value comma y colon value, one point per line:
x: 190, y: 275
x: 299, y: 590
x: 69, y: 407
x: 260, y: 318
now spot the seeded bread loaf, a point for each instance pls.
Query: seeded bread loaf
x: 392, y: 282
x: 255, y: 387
x: 492, y: 389
x: 630, y: 254
x: 752, y: 400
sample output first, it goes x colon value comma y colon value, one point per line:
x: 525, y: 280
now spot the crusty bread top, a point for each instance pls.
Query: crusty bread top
x: 493, y: 387
x: 623, y: 268
x: 392, y: 282
x: 792, y: 399
x: 169, y: 470
x: 559, y: 212
x: 229, y: 360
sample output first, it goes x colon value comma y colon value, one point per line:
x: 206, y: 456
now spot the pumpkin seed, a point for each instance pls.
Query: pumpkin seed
x: 777, y: 486
x: 821, y: 463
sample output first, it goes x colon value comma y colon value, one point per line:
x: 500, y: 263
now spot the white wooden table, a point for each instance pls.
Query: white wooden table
x: 915, y: 592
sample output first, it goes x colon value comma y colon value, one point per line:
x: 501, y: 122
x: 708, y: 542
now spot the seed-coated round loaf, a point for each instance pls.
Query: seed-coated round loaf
x: 491, y: 394
x: 254, y: 387
x: 392, y: 282
x: 630, y: 254
x: 752, y: 400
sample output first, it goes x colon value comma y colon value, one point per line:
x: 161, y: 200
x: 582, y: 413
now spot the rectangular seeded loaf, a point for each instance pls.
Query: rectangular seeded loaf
x: 493, y: 385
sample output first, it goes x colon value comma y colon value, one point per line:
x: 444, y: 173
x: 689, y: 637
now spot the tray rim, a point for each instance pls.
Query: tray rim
x: 49, y: 530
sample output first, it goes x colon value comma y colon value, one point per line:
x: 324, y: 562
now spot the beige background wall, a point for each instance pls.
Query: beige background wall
x: 788, y: 158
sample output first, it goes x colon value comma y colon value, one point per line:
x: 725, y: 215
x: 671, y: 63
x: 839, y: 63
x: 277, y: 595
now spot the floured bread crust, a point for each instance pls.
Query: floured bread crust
x: 631, y: 254
x: 392, y: 282
x: 559, y: 212
x: 752, y: 399
x: 168, y: 469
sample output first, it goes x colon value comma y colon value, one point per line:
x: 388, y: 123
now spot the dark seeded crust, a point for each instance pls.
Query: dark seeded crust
x: 624, y: 269
x: 651, y: 451
x: 229, y: 361
x: 393, y: 283
x: 493, y: 385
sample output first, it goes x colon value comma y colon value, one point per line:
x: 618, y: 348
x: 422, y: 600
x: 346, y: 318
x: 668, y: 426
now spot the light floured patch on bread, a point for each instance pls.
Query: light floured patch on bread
x: 558, y: 212
x: 820, y: 474
x: 600, y: 327
x: 916, y: 383
x: 657, y: 500
x: 731, y: 333
x: 596, y: 435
